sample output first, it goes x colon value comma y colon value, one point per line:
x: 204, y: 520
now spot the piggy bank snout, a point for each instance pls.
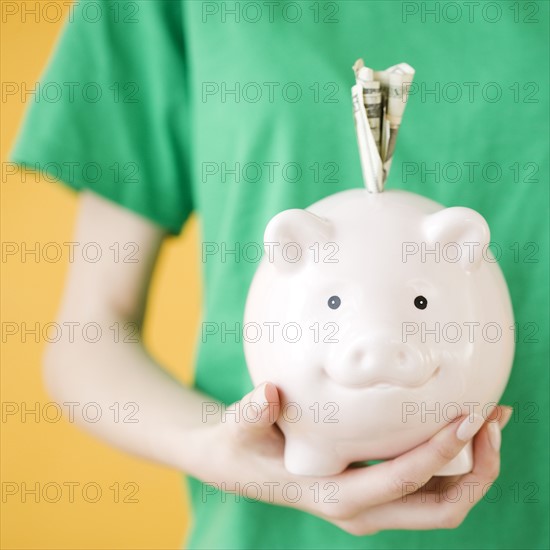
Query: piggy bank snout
x: 382, y: 362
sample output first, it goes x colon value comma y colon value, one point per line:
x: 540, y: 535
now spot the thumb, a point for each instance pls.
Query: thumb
x: 258, y: 409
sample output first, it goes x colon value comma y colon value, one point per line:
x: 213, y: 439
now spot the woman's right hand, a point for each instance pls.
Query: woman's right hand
x: 247, y: 458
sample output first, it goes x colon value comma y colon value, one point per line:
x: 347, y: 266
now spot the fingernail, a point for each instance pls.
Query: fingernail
x: 469, y: 427
x: 494, y: 435
x: 259, y: 396
x: 506, y: 415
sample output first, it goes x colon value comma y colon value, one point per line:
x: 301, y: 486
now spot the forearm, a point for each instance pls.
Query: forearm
x: 144, y: 410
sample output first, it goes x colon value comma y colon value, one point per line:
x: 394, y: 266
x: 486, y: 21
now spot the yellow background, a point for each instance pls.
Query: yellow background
x: 35, y: 451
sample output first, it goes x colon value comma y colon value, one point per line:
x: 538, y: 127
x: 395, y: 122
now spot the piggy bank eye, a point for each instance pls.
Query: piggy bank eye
x: 420, y: 302
x: 334, y: 302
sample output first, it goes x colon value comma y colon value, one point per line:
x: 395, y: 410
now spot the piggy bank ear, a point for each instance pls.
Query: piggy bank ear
x: 289, y: 236
x: 459, y: 235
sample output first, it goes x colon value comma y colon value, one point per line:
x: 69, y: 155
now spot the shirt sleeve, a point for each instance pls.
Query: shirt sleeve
x: 110, y: 113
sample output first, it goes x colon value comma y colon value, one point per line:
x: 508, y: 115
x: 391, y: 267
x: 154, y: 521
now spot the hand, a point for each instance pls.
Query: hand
x: 397, y: 494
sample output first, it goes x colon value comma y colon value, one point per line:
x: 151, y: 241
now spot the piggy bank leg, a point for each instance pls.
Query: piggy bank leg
x: 304, y: 458
x: 461, y: 464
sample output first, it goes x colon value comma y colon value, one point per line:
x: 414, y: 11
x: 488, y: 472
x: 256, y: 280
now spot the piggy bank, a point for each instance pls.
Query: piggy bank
x: 380, y: 318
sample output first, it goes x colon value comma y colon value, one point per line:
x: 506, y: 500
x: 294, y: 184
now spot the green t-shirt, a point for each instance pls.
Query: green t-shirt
x: 238, y: 110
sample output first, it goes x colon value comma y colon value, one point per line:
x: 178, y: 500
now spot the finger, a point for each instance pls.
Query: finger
x: 442, y: 505
x: 500, y: 414
x: 257, y: 410
x: 486, y: 455
x: 438, y: 481
x: 505, y: 416
x: 405, y: 474
x: 474, y: 485
x: 392, y: 482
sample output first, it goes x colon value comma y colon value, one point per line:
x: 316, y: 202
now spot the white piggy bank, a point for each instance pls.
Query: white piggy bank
x: 380, y: 318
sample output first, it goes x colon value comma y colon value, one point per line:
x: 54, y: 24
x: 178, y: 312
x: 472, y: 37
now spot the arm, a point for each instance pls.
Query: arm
x: 235, y: 451
x: 107, y: 372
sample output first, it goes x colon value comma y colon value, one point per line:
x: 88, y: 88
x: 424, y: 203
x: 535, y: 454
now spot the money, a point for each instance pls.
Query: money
x: 372, y: 98
x: 371, y: 163
x: 373, y: 103
x: 384, y: 98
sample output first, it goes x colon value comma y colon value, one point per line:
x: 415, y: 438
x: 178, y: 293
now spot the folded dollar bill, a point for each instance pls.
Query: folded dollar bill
x: 379, y: 100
